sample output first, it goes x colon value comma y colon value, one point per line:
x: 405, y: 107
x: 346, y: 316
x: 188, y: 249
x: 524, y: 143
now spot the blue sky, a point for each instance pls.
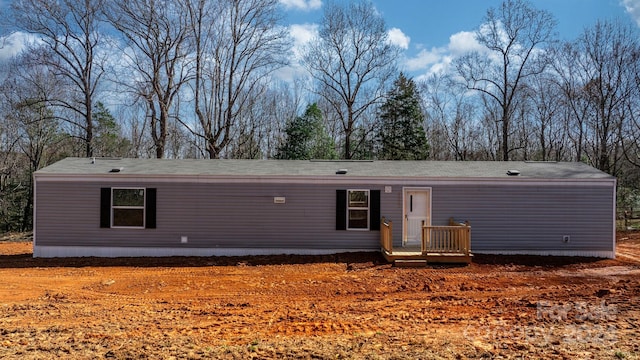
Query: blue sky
x: 431, y: 32
x: 434, y: 31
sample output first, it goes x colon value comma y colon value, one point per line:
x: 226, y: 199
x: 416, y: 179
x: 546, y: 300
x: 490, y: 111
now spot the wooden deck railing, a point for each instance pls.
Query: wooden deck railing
x: 454, y: 239
x: 386, y: 238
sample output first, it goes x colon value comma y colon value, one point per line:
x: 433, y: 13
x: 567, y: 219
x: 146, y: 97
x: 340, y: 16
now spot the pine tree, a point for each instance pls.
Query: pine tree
x: 306, y: 138
x: 107, y: 139
x: 401, y: 134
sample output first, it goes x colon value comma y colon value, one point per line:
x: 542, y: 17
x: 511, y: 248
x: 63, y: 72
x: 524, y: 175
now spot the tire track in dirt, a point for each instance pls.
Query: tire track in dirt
x: 628, y: 254
x: 322, y: 309
x: 628, y: 247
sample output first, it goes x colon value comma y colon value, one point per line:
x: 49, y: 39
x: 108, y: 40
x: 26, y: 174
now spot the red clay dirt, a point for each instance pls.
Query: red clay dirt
x: 316, y: 307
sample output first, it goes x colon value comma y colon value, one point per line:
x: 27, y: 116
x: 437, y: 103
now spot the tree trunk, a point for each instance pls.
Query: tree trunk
x: 543, y: 143
x: 348, y: 132
x: 505, y: 136
x: 347, y: 143
x: 26, y: 214
x: 89, y: 124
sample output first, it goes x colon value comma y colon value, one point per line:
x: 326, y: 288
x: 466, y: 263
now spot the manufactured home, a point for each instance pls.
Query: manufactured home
x: 164, y: 207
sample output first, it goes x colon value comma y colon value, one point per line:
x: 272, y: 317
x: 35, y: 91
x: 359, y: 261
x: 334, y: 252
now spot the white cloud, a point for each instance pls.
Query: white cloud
x: 398, y: 38
x: 633, y: 8
x: 291, y: 73
x: 301, y: 34
x: 304, y: 5
x: 439, y: 59
x: 14, y: 43
x: 463, y: 42
x: 425, y: 59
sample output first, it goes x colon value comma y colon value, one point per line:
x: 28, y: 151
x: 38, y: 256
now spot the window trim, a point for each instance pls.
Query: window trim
x: 143, y: 207
x: 368, y: 209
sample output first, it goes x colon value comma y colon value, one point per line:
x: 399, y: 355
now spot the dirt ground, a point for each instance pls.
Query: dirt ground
x: 326, y: 307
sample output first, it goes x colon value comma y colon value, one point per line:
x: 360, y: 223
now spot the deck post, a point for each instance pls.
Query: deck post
x: 452, y: 239
x: 386, y: 235
x: 423, y: 238
x: 438, y: 244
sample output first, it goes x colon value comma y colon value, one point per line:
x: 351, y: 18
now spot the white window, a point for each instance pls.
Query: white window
x: 127, y: 207
x: 358, y: 209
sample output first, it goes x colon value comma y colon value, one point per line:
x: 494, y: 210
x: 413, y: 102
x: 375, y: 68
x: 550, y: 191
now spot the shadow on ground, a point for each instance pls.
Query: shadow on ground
x: 355, y: 260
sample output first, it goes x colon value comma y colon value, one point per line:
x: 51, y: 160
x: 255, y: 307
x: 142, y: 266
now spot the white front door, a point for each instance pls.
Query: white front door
x: 417, y: 203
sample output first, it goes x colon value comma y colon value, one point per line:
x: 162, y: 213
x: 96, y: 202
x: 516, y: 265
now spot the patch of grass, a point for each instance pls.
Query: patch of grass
x: 16, y: 237
x: 631, y: 224
x: 253, y: 346
x: 620, y: 355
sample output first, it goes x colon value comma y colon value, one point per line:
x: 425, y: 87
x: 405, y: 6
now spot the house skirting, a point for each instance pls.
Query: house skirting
x: 95, y: 251
x: 581, y: 253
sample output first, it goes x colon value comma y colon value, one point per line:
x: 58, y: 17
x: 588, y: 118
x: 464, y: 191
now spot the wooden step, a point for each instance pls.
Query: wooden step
x: 410, y: 263
x: 449, y: 258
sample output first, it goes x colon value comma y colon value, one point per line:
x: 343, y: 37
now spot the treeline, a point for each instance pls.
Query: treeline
x: 199, y: 79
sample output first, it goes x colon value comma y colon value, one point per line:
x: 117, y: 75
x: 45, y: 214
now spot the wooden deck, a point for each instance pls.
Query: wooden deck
x: 440, y: 244
x: 415, y: 257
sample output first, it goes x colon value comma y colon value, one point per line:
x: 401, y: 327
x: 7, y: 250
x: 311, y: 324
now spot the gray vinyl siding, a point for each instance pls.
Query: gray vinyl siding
x: 530, y: 217
x: 225, y: 215
x: 525, y: 217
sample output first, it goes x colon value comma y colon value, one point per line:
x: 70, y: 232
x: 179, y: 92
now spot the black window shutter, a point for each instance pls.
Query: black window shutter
x: 105, y: 207
x: 150, y: 209
x: 374, y: 210
x: 341, y: 209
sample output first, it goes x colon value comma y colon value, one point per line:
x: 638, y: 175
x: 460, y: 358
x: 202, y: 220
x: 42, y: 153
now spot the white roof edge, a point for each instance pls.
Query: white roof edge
x: 309, y: 169
x: 389, y: 180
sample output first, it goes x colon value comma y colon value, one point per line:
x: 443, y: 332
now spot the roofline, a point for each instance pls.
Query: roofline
x: 311, y: 179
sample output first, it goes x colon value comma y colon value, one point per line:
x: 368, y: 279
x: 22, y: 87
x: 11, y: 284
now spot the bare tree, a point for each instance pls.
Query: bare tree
x: 451, y: 127
x: 489, y: 138
x: 279, y: 105
x: 10, y: 159
x: 512, y: 35
x: 265, y: 120
x: 612, y: 51
x: 575, y: 107
x: 33, y: 128
x: 522, y: 135
x: 134, y: 127
x: 351, y: 61
x: 631, y: 132
x: 157, y: 34
x: 237, y: 45
x: 599, y: 80
x: 544, y: 98
x: 71, y: 32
